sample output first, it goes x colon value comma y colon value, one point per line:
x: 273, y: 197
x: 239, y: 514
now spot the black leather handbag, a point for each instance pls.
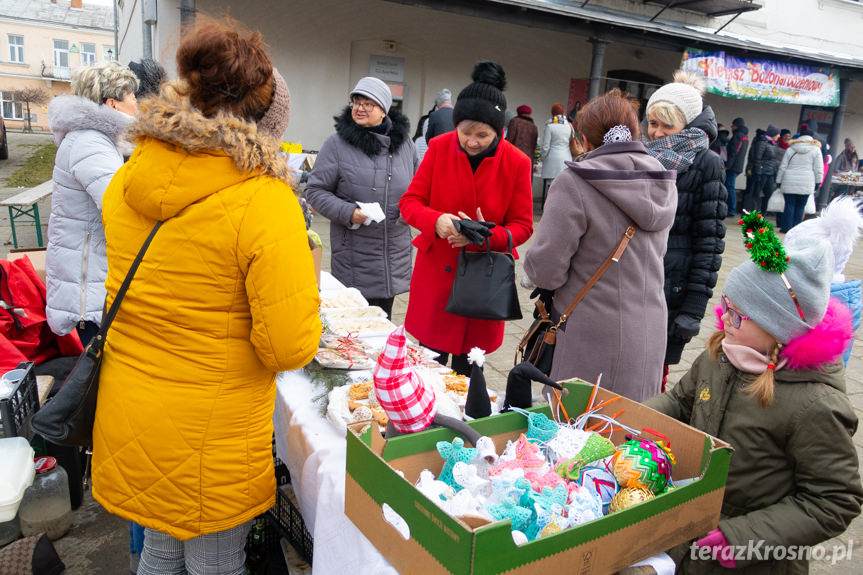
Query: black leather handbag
x: 484, y: 285
x: 68, y: 418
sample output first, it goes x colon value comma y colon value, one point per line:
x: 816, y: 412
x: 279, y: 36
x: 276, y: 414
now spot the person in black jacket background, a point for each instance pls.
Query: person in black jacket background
x: 680, y: 128
x: 734, y: 164
x: 761, y: 170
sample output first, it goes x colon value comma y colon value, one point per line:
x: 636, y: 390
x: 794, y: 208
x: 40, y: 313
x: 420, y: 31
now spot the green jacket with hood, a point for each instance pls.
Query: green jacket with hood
x: 793, y: 479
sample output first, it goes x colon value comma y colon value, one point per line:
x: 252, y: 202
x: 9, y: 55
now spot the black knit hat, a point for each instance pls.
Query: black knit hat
x: 483, y: 100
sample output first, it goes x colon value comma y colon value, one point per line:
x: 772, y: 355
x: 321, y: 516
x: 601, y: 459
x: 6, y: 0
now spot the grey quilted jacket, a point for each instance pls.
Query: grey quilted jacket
x: 363, y: 165
x: 87, y: 137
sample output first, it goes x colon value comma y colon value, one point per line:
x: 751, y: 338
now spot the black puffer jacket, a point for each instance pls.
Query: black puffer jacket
x: 762, y: 157
x: 737, y: 148
x: 696, y: 243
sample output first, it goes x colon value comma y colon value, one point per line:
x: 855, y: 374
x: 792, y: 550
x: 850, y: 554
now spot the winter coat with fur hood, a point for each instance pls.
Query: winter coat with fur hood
x: 225, y: 298
x: 793, y: 477
x: 361, y: 165
x: 88, y: 138
x: 801, y: 166
x: 618, y: 330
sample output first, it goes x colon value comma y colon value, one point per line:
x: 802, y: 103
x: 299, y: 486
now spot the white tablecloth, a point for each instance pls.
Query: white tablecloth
x: 314, y: 451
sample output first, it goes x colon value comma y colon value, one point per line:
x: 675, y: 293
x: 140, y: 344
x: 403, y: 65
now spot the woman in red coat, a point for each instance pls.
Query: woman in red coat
x: 471, y: 173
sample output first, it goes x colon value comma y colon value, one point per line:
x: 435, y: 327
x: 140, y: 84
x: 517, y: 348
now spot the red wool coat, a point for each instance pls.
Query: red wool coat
x: 444, y: 183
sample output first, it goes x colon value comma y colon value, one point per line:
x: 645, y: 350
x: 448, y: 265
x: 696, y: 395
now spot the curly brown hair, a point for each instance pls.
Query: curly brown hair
x: 226, y: 68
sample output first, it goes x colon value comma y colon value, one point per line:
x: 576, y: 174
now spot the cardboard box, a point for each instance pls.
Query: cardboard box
x: 439, y: 543
x: 36, y: 255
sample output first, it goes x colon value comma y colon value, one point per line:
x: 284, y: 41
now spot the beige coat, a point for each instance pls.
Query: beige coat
x: 619, y: 329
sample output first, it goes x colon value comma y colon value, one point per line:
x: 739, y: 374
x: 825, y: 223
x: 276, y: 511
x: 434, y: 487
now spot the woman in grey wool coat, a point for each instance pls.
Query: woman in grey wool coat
x: 370, y: 159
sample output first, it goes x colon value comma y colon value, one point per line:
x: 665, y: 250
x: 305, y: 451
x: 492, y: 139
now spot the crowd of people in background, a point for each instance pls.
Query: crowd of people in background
x: 462, y: 180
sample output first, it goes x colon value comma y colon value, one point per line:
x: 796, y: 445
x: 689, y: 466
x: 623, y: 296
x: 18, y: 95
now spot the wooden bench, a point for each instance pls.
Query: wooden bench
x: 26, y: 203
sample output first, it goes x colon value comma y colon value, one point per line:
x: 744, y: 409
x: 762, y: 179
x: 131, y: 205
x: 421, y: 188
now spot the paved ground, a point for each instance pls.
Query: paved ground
x: 98, y: 542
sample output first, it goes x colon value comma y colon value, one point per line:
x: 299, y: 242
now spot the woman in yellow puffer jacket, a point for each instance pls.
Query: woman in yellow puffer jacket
x: 225, y: 297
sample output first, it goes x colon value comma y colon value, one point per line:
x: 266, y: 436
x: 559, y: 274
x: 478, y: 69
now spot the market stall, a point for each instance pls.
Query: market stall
x: 311, y: 438
x: 846, y: 183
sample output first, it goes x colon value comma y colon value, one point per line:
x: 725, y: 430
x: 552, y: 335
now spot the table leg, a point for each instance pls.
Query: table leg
x: 12, y: 223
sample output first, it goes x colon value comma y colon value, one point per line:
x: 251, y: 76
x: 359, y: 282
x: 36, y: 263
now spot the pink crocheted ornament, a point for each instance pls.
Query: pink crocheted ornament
x: 526, y: 457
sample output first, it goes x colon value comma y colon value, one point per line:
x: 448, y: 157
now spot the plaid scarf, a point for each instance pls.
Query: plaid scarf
x: 677, y: 151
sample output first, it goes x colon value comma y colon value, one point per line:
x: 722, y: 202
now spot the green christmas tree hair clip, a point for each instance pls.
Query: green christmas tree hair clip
x: 763, y: 246
x: 765, y: 249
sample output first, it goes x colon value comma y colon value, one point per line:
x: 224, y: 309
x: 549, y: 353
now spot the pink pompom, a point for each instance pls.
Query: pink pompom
x: 720, y: 325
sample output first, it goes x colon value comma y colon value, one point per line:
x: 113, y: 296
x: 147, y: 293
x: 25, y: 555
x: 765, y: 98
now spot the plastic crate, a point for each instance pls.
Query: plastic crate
x: 288, y: 522
x: 24, y: 401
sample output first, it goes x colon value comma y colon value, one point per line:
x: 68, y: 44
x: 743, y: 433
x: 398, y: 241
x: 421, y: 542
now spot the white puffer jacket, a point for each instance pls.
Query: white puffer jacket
x: 87, y: 136
x: 801, y: 166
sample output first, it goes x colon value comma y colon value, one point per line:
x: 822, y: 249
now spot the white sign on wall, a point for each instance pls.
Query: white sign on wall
x: 387, y: 68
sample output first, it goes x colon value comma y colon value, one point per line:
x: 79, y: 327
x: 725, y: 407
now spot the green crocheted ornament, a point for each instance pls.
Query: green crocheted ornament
x: 761, y: 242
x: 596, y: 447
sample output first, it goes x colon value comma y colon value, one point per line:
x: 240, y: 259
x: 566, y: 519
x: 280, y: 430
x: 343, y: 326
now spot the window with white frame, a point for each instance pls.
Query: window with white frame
x: 12, y: 110
x: 61, y: 58
x: 88, y: 54
x: 108, y: 53
x: 16, y: 48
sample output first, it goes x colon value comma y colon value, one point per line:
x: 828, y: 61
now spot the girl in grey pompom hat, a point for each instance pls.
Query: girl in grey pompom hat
x: 772, y: 385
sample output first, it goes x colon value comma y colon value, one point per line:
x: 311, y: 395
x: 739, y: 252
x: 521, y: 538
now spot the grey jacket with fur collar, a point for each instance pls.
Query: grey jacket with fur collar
x: 89, y: 152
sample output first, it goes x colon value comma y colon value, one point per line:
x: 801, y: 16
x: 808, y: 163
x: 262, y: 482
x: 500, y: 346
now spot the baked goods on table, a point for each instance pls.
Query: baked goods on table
x: 361, y: 326
x: 341, y: 298
x: 335, y: 314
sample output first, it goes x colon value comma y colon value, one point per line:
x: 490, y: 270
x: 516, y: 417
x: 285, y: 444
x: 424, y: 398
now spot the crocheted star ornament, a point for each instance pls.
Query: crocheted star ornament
x: 451, y: 454
x: 761, y: 242
x: 539, y: 426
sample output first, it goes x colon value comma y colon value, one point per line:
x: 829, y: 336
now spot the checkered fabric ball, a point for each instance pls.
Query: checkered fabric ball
x: 642, y: 463
x: 601, y: 482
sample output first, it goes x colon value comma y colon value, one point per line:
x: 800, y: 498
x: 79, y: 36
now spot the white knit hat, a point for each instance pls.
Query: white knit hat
x: 685, y: 97
x: 840, y: 224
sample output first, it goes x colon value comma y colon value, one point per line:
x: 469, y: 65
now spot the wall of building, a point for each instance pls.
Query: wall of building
x: 39, y: 50
x: 322, y: 48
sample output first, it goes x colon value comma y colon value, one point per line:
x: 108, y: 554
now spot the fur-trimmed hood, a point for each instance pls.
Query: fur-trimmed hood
x: 70, y: 113
x: 172, y: 118
x: 367, y: 141
x: 805, y: 140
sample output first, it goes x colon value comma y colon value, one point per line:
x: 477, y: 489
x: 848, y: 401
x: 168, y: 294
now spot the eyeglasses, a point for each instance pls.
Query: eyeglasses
x: 735, y: 316
x: 364, y: 106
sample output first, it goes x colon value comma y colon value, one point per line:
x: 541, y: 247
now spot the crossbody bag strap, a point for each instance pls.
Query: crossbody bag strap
x: 99, y: 340
x: 612, y: 258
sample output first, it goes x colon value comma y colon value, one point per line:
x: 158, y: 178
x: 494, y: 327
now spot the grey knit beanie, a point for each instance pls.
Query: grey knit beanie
x: 375, y: 89
x: 762, y: 294
x: 278, y: 115
x: 686, y: 98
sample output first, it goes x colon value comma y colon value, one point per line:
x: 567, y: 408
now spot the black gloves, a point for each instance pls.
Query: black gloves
x: 475, y: 232
x: 685, y: 326
x: 546, y: 296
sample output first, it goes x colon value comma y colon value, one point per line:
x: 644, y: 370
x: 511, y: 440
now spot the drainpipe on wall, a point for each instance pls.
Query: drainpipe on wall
x: 835, y: 137
x: 187, y: 14
x: 596, y: 66
x: 148, y: 19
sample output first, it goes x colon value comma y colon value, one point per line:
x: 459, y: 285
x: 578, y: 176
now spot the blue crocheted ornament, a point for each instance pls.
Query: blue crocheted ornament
x: 452, y: 453
x: 509, y: 509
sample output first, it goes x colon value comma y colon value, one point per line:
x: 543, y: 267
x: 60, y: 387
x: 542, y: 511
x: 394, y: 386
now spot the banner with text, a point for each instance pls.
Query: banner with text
x: 752, y: 79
